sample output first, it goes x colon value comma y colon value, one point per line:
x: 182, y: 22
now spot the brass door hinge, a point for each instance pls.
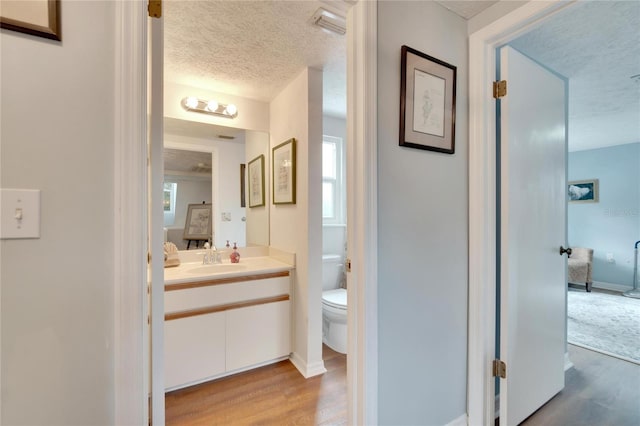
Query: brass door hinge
x: 155, y: 8
x: 499, y: 369
x: 347, y: 265
x: 499, y: 89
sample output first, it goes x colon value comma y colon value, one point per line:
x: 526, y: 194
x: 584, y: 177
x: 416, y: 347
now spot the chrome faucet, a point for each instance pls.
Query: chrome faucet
x: 211, y: 255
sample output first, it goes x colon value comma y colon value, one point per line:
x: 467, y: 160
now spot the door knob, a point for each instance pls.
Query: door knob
x: 565, y: 250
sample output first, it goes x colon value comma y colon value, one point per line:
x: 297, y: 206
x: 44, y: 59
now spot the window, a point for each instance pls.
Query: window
x: 333, y: 203
x: 169, y: 203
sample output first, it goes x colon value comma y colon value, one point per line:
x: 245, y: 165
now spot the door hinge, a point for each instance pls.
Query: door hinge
x: 499, y: 89
x: 499, y: 369
x: 155, y: 8
x: 148, y: 258
x: 347, y: 265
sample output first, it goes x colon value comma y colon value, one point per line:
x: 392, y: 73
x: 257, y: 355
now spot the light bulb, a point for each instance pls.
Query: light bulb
x: 192, y: 102
x: 212, y: 106
x: 232, y: 109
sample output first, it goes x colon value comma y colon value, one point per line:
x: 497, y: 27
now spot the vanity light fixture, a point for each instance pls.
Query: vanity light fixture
x: 212, y: 107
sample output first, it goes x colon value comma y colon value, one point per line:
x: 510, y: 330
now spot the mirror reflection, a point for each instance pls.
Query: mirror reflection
x: 207, y: 164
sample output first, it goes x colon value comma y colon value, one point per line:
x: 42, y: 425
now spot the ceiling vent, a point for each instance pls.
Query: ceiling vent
x: 329, y: 21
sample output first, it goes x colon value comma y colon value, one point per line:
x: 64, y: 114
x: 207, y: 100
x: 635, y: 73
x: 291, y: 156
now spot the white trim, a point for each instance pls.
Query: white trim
x: 611, y: 286
x: 567, y: 362
x: 482, y: 197
x: 460, y: 421
x: 362, y: 208
x: 307, y: 370
x: 131, y: 375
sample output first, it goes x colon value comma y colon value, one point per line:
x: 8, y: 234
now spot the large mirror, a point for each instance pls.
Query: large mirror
x: 207, y: 164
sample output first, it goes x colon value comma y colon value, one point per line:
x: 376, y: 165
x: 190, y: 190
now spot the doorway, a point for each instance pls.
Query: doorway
x: 482, y: 196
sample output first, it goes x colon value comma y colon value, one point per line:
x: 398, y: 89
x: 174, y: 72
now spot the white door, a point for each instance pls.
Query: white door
x: 156, y: 218
x: 533, y: 224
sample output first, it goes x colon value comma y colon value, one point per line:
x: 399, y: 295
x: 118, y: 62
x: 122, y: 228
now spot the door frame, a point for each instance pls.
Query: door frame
x: 131, y: 353
x: 482, y: 198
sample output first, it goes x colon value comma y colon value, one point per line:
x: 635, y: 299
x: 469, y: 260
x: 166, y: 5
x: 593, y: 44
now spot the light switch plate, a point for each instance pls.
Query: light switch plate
x: 20, y: 213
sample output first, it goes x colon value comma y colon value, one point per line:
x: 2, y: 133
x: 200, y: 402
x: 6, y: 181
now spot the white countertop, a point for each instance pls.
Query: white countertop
x: 196, y: 271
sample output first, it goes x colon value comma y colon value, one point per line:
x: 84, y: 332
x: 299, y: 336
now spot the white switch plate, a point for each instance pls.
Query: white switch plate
x: 16, y: 203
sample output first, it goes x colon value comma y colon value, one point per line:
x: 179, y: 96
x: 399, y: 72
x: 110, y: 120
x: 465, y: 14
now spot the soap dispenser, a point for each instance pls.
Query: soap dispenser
x: 235, y: 256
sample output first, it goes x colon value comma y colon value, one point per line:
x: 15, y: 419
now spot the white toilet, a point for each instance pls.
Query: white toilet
x: 334, y: 304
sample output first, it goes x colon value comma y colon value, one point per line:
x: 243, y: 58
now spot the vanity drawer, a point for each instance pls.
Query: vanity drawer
x: 182, y: 297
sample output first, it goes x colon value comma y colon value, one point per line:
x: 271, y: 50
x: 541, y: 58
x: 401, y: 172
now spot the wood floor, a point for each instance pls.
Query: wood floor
x: 599, y: 391
x: 273, y: 395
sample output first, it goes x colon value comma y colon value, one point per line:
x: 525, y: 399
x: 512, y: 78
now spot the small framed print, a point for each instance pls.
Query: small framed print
x: 583, y: 191
x: 256, y: 182
x: 40, y: 18
x: 427, y: 102
x: 284, y: 172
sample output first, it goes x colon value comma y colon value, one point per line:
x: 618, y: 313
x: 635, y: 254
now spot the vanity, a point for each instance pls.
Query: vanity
x: 221, y: 319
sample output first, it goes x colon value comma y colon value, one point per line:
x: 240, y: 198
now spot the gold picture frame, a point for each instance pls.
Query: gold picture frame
x: 39, y: 18
x: 284, y: 172
x: 256, y: 182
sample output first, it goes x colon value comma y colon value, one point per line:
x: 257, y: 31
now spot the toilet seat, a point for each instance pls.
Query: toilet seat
x: 335, y: 298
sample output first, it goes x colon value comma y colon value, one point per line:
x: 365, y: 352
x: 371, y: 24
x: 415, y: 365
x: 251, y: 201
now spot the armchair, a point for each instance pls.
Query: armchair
x: 580, y: 265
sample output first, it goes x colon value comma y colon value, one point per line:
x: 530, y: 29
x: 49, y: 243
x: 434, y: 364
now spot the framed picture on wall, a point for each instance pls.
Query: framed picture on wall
x: 197, y: 225
x: 284, y: 172
x: 256, y: 182
x: 427, y: 102
x: 39, y: 18
x: 583, y: 191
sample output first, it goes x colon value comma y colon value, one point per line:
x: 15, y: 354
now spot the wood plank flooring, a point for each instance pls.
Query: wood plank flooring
x: 273, y: 395
x: 599, y: 391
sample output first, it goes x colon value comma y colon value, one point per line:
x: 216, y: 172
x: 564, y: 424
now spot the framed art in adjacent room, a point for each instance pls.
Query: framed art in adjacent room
x: 197, y: 225
x: 427, y: 102
x: 583, y: 191
x: 284, y: 172
x: 36, y: 17
x: 256, y: 182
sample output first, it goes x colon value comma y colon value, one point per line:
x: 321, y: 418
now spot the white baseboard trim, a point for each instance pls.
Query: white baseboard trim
x: 567, y: 362
x: 611, y: 286
x: 307, y: 370
x: 463, y: 420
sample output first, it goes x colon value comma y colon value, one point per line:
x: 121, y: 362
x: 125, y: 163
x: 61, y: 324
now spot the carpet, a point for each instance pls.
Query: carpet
x: 604, y: 322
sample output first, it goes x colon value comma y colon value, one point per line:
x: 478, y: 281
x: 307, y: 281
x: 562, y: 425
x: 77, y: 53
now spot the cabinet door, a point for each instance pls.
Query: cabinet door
x: 194, y: 349
x: 257, y: 334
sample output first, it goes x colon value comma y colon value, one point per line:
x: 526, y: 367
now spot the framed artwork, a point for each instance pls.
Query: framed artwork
x: 243, y: 186
x: 583, y: 191
x: 256, y: 182
x: 427, y: 102
x: 36, y: 17
x: 284, y: 172
x: 197, y: 225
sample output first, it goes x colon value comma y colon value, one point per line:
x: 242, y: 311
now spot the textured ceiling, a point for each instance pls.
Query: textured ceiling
x: 176, y: 160
x: 596, y: 45
x: 252, y: 48
x: 467, y: 9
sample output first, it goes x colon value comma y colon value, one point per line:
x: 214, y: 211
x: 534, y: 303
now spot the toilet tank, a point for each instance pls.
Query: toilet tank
x: 332, y: 271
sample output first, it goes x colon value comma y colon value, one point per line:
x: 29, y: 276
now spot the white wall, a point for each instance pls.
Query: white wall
x: 257, y: 143
x: 296, y: 112
x: 422, y: 232
x: 57, y: 308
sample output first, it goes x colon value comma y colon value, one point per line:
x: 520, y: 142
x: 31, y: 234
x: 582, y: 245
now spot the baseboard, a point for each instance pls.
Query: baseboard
x: 307, y: 370
x: 463, y: 420
x: 611, y: 286
x: 567, y: 362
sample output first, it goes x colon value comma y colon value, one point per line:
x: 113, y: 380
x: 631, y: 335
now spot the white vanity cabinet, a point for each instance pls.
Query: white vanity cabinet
x: 220, y: 326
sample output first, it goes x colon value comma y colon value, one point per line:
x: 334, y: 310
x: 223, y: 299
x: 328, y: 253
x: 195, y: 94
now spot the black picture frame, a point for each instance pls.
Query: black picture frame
x: 427, y: 102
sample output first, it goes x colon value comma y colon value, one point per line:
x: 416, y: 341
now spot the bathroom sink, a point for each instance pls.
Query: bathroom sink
x: 217, y: 269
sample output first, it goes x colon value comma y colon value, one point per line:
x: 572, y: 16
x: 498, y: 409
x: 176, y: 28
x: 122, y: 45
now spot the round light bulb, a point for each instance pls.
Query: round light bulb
x: 212, y: 106
x: 191, y: 102
x: 232, y: 109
